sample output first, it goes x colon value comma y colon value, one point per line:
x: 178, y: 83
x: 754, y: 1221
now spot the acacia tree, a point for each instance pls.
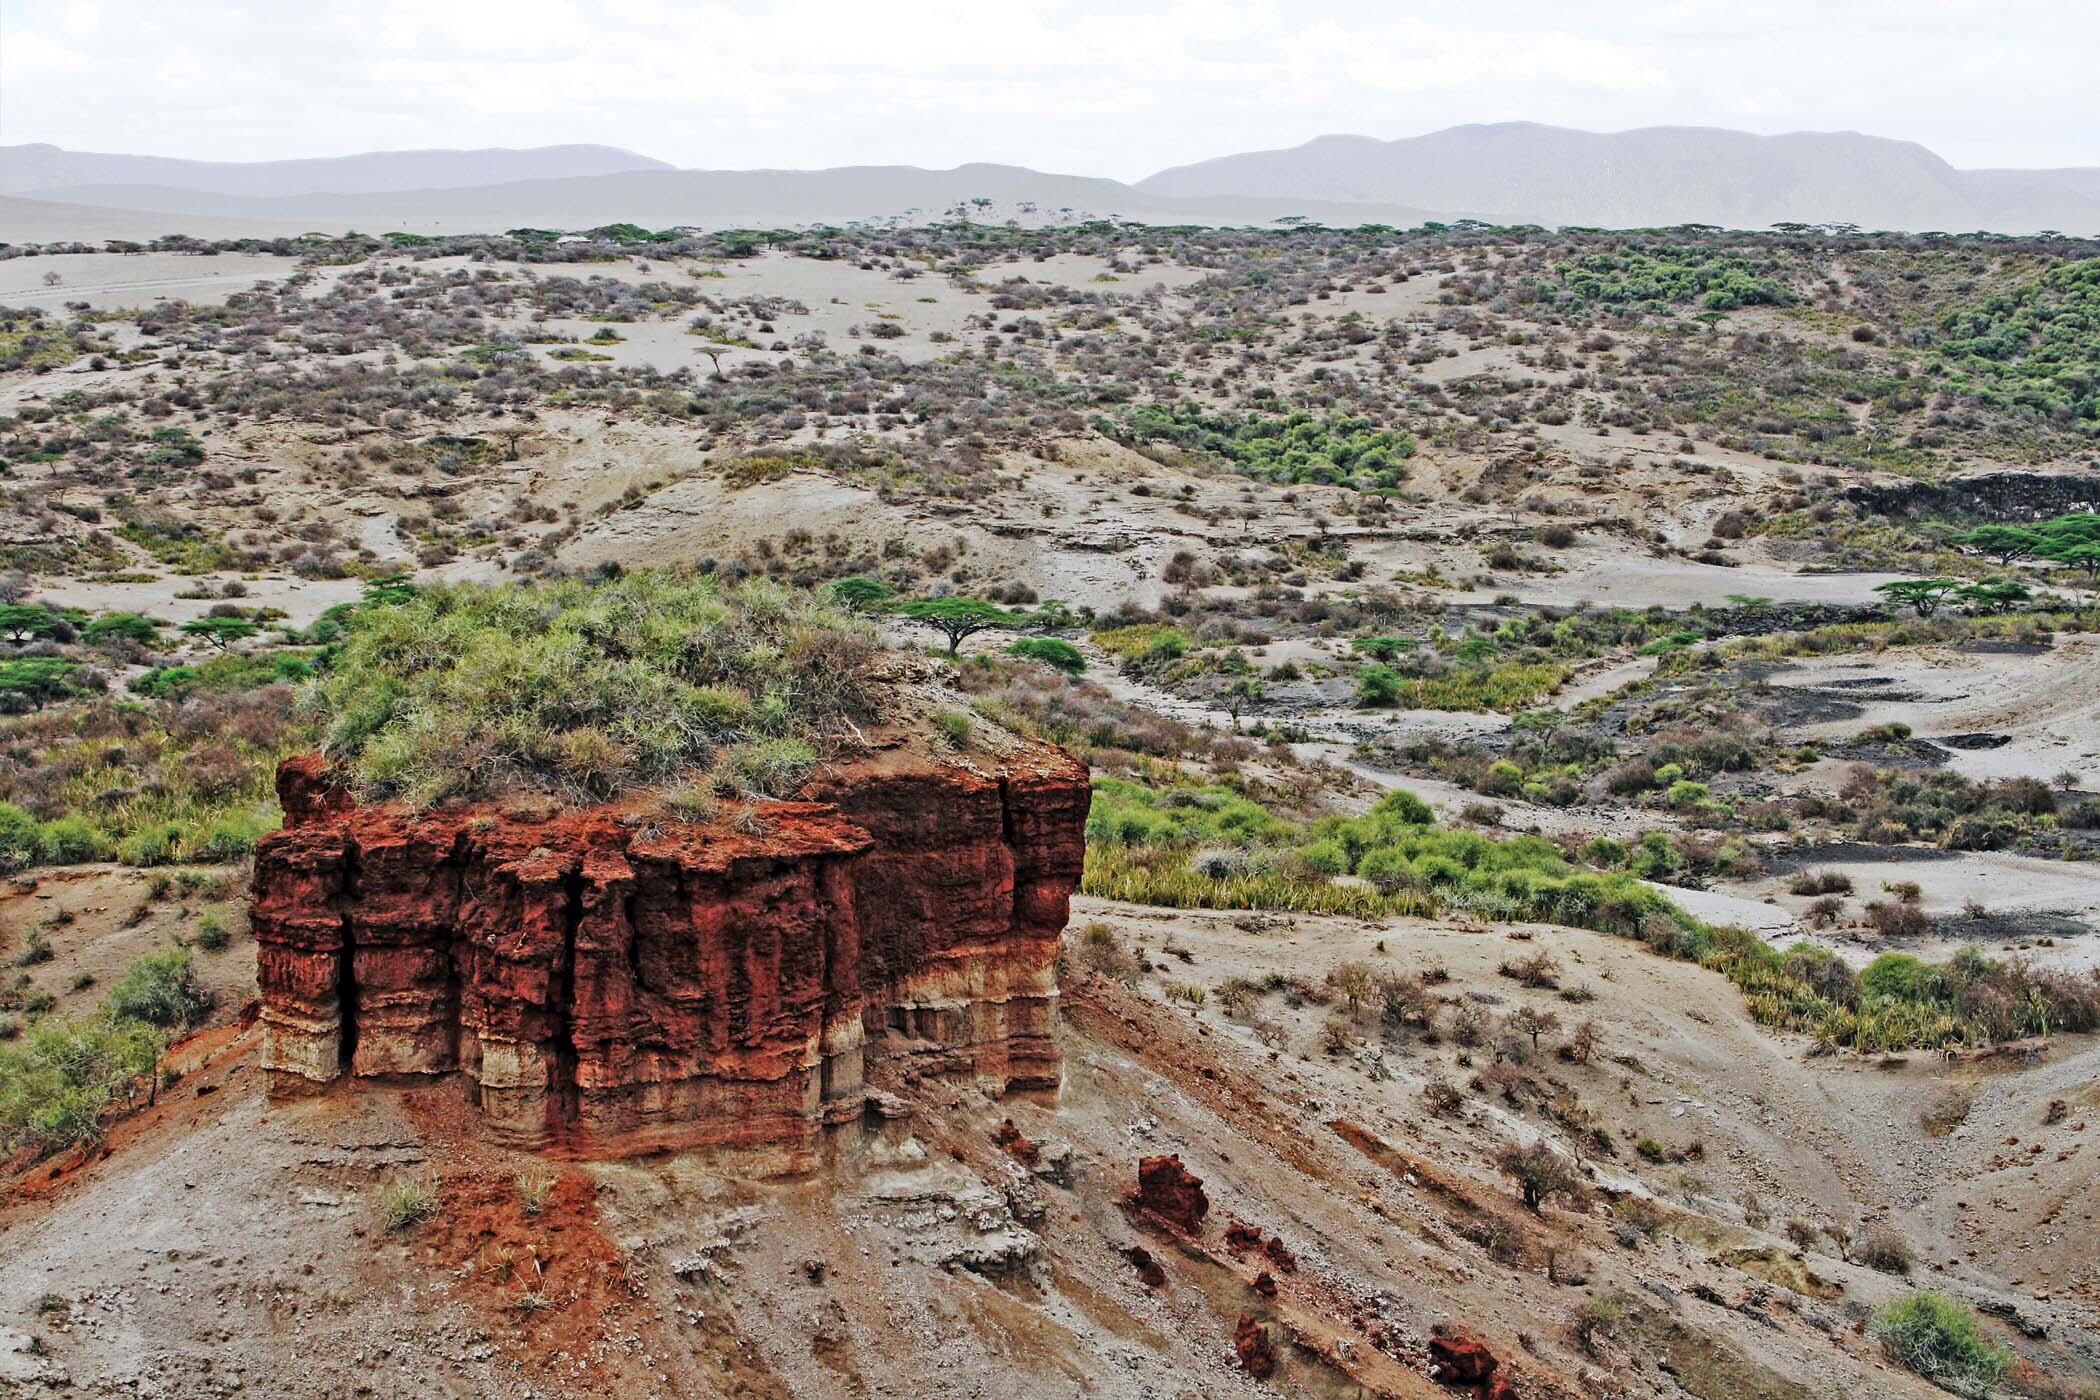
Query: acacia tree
x: 1924, y: 595
x: 21, y: 621
x: 2003, y: 542
x: 221, y: 632
x: 1535, y: 1023
x: 859, y: 592
x: 1243, y: 691
x: 958, y: 618
x: 1996, y: 595
x: 2084, y: 556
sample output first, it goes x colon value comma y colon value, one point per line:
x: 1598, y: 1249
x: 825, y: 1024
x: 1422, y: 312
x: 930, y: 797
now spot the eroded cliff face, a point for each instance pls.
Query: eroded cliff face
x: 614, y: 985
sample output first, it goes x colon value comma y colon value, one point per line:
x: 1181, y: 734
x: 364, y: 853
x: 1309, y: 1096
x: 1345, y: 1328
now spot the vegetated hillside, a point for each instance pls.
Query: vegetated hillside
x: 1724, y: 601
x: 1521, y: 172
x: 50, y: 172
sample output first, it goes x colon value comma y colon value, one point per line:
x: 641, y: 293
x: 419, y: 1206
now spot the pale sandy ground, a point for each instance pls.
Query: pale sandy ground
x: 120, y: 281
x: 1615, y: 578
x: 2049, y: 703
x: 1087, y: 273
x: 303, y: 600
x: 2048, y: 706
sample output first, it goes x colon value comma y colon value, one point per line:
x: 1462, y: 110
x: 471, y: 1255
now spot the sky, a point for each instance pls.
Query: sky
x: 1118, y: 88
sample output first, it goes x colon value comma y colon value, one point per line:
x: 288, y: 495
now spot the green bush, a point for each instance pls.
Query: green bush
x: 213, y: 932
x: 1935, y: 1336
x: 21, y: 839
x: 1335, y: 449
x: 1896, y: 975
x: 156, y: 844
x: 1051, y: 651
x: 70, y: 840
x: 162, y: 990
x: 765, y: 767
x: 1377, y: 686
x: 585, y: 689
x: 59, y: 1077
x: 231, y: 836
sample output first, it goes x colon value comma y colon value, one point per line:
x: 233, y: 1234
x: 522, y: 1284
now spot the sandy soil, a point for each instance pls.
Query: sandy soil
x: 2047, y: 704
x: 121, y: 281
x: 97, y: 918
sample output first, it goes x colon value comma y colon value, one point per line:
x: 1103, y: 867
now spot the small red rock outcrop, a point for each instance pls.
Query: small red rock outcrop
x: 1147, y: 1267
x: 1243, y: 1239
x: 1169, y: 1191
x: 615, y: 985
x: 1250, y: 1340
x: 1466, y: 1363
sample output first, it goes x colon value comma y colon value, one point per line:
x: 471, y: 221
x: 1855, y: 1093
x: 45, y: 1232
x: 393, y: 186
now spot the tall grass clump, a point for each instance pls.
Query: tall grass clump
x: 589, y: 689
x: 404, y: 1202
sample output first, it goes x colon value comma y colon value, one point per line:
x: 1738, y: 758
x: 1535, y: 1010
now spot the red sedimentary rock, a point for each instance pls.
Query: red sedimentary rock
x: 1147, y: 1267
x: 1466, y: 1363
x: 1256, y: 1352
x: 1010, y: 1139
x: 1265, y: 1284
x: 1242, y: 1238
x: 615, y: 985
x: 1166, y: 1189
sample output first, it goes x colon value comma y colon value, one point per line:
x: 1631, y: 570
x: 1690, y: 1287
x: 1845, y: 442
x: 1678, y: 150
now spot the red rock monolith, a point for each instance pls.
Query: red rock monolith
x: 615, y: 984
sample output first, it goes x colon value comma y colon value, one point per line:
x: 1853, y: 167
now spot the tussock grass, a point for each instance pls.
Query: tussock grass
x: 404, y: 1202
x: 1937, y: 1337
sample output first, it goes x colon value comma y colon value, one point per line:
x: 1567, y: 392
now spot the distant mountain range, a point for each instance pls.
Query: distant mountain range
x: 1514, y: 172
x: 1655, y: 176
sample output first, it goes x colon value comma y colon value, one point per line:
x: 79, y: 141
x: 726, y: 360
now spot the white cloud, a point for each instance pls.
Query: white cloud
x: 1086, y: 86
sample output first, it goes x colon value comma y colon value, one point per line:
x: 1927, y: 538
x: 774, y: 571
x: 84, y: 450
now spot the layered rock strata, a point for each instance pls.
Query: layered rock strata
x: 615, y: 985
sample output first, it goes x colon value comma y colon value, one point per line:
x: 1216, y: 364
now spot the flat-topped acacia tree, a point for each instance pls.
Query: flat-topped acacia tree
x: 958, y: 618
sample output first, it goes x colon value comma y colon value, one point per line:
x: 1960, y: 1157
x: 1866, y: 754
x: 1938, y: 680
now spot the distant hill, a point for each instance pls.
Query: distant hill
x: 1523, y: 172
x: 51, y: 173
x: 1515, y: 172
x: 662, y: 198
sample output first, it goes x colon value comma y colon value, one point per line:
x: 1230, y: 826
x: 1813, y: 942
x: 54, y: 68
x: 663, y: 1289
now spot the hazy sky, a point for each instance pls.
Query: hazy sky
x: 1096, y: 87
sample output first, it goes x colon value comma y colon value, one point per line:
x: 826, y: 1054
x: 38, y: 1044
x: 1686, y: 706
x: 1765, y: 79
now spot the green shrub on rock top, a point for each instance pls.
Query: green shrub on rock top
x: 589, y: 689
